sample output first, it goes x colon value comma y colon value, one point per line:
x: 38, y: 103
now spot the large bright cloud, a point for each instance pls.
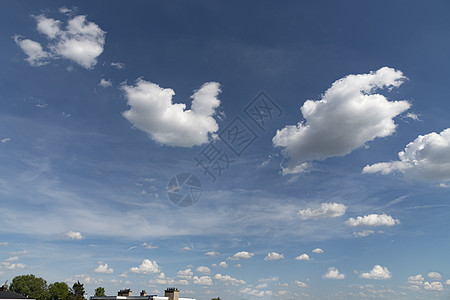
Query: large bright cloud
x: 80, y: 41
x: 372, y: 220
x: 330, y: 210
x: 242, y: 255
x: 348, y: 115
x: 172, y: 124
x: 428, y: 157
x: 378, y: 273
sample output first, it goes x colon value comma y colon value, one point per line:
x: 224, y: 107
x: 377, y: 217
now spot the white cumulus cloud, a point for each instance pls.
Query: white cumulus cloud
x: 147, y: 267
x: 203, y: 270
x: 433, y: 286
x: 203, y: 280
x: 378, y: 272
x: 304, y: 256
x: 416, y: 279
x: 36, y: 54
x: 434, y: 276
x: 229, y: 279
x: 372, y: 220
x: 172, y: 124
x: 317, y: 251
x: 427, y: 157
x: 348, y: 115
x: 223, y: 264
x: 333, y: 273
x: 185, y: 274
x: 242, y: 255
x: 273, y: 256
x: 80, y: 41
x: 73, y: 235
x: 301, y: 284
x: 103, y: 268
x: 326, y: 210
x: 104, y: 83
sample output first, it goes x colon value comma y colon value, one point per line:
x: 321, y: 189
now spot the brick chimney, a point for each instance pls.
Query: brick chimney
x: 172, y: 293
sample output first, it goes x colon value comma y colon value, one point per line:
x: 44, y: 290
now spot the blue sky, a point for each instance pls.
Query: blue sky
x: 341, y: 194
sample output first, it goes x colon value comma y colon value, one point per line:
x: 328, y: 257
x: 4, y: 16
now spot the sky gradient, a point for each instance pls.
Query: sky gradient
x: 319, y: 132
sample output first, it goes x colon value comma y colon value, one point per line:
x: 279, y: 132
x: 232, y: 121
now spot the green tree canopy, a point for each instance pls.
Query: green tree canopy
x: 218, y: 298
x: 99, y: 292
x: 59, y: 291
x: 77, y: 291
x: 30, y: 286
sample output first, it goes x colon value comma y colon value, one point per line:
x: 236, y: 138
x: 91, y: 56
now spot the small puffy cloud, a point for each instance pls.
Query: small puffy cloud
x: 378, y: 272
x: 317, y: 251
x: 104, y: 83
x: 172, y: 124
x: 433, y: 286
x: 118, y: 65
x: 241, y: 255
x: 416, y: 279
x: 36, y: 54
x: 212, y: 253
x: 80, y: 41
x: 434, y: 276
x: 3, y: 243
x: 103, y: 268
x: 228, y: 279
x: 255, y: 292
x: 348, y: 115
x: 223, y: 264
x: 301, y: 284
x: 363, y: 233
x: 372, y: 220
x: 326, y: 210
x: 203, y: 280
x: 273, y: 256
x: 427, y: 157
x: 304, y: 256
x: 147, y: 267
x: 447, y: 282
x: 73, y: 235
x: 14, y: 266
x: 4, y: 141
x: 185, y: 274
x: 203, y: 270
x: 333, y: 273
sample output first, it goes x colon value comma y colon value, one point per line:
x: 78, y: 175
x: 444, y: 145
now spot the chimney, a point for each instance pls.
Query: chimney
x: 143, y: 293
x: 124, y: 293
x: 172, y: 293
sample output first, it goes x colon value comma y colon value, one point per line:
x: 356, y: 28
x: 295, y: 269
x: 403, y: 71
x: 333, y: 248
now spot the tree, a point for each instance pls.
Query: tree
x: 77, y: 291
x: 99, y: 292
x: 59, y: 291
x: 218, y: 298
x: 30, y: 286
